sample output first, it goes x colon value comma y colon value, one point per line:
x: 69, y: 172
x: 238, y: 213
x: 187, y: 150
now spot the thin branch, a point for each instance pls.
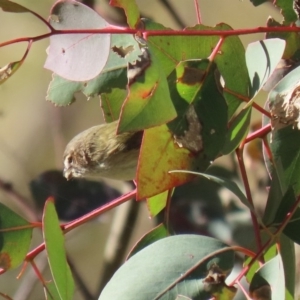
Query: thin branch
x: 239, y: 154
x: 147, y: 33
x: 260, y: 133
x: 198, y: 14
x: 93, y: 214
x: 246, y: 99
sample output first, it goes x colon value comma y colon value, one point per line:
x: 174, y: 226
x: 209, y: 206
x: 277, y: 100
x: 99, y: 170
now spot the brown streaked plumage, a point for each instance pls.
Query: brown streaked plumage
x: 99, y: 151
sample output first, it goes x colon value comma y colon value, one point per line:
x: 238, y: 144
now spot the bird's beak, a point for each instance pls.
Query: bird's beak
x: 67, y: 173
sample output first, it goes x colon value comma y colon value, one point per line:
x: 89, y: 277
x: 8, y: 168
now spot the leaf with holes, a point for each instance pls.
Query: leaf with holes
x: 230, y: 58
x: 148, y: 103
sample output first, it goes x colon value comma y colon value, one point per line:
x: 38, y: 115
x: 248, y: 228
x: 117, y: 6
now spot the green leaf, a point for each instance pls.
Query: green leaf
x: 193, y: 86
x: 176, y: 265
x: 157, y: 203
x: 230, y: 185
x: 149, y: 103
x: 230, y: 61
x: 150, y: 237
x: 285, y: 148
x: 51, y: 292
x: 14, y: 243
x: 287, y: 252
x: 237, y: 130
x: 54, y: 242
x: 270, y: 277
x: 262, y: 57
x: 202, y: 117
x: 276, y: 193
x: 287, y: 10
x: 111, y: 104
x: 292, y: 228
x: 131, y: 10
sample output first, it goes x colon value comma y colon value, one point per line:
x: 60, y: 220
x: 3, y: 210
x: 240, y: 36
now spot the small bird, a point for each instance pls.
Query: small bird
x: 100, y: 151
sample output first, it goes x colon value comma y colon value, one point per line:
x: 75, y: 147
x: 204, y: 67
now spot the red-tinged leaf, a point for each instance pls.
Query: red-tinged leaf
x: 54, y: 241
x: 149, y: 103
x: 77, y: 57
x: 150, y: 237
x: 10, y: 6
x: 159, y: 154
x: 14, y: 243
x: 131, y: 10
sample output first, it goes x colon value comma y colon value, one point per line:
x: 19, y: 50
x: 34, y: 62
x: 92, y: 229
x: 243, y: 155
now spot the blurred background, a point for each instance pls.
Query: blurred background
x: 33, y: 134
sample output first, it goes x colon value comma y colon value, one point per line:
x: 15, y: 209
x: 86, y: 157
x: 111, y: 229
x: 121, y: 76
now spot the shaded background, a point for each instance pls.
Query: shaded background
x: 33, y: 133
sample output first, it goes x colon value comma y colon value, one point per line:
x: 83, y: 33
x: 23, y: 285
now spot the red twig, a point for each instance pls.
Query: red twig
x: 246, y: 99
x: 198, y: 14
x: 239, y: 154
x: 93, y: 214
x: 147, y: 33
x: 260, y: 133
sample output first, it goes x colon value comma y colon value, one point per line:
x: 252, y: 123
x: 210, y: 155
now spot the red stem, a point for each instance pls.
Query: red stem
x: 260, y: 133
x: 198, y: 14
x: 239, y: 154
x: 93, y: 214
x: 147, y: 33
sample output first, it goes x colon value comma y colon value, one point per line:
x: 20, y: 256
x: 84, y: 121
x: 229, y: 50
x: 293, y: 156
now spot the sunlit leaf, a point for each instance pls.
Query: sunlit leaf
x: 157, y: 203
x: 131, y: 10
x: 148, y: 103
x: 78, y: 57
x: 262, y: 58
x: 237, y: 130
x: 230, y: 59
x: 114, y: 75
x: 286, y: 9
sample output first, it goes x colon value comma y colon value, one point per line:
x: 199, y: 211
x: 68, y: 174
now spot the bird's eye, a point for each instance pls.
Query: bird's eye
x: 70, y: 159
